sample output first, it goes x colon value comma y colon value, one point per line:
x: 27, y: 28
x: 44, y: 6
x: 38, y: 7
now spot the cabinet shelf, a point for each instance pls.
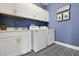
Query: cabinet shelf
x: 14, y: 16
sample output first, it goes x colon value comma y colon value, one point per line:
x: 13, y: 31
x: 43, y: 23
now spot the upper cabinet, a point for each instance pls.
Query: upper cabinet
x: 39, y: 13
x: 7, y: 8
x: 26, y: 10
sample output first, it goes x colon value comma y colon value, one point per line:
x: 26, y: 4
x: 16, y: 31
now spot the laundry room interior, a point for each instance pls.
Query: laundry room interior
x: 39, y: 29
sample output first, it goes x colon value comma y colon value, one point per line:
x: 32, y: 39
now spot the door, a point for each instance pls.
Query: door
x: 42, y: 39
x: 39, y: 13
x: 39, y: 40
x: 46, y: 17
x: 8, y: 46
x: 25, y: 44
x: 7, y: 8
x: 1, y: 47
x: 51, y: 36
x: 24, y: 10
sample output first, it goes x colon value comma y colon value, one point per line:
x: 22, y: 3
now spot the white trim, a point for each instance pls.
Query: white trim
x: 67, y: 45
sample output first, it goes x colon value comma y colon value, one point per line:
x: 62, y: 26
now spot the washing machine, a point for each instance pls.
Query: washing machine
x: 50, y: 36
x: 39, y: 40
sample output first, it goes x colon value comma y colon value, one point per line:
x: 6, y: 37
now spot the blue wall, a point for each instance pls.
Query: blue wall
x: 20, y: 22
x: 66, y: 31
x: 74, y: 24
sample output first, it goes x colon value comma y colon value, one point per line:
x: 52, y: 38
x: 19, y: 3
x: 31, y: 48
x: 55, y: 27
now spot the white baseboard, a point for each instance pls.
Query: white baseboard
x: 67, y: 45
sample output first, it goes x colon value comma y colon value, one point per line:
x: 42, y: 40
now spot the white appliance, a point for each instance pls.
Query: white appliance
x: 10, y: 28
x: 44, y: 27
x: 25, y: 28
x: 42, y: 37
x: 19, y: 28
x: 38, y: 40
x: 50, y: 36
x: 34, y: 27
